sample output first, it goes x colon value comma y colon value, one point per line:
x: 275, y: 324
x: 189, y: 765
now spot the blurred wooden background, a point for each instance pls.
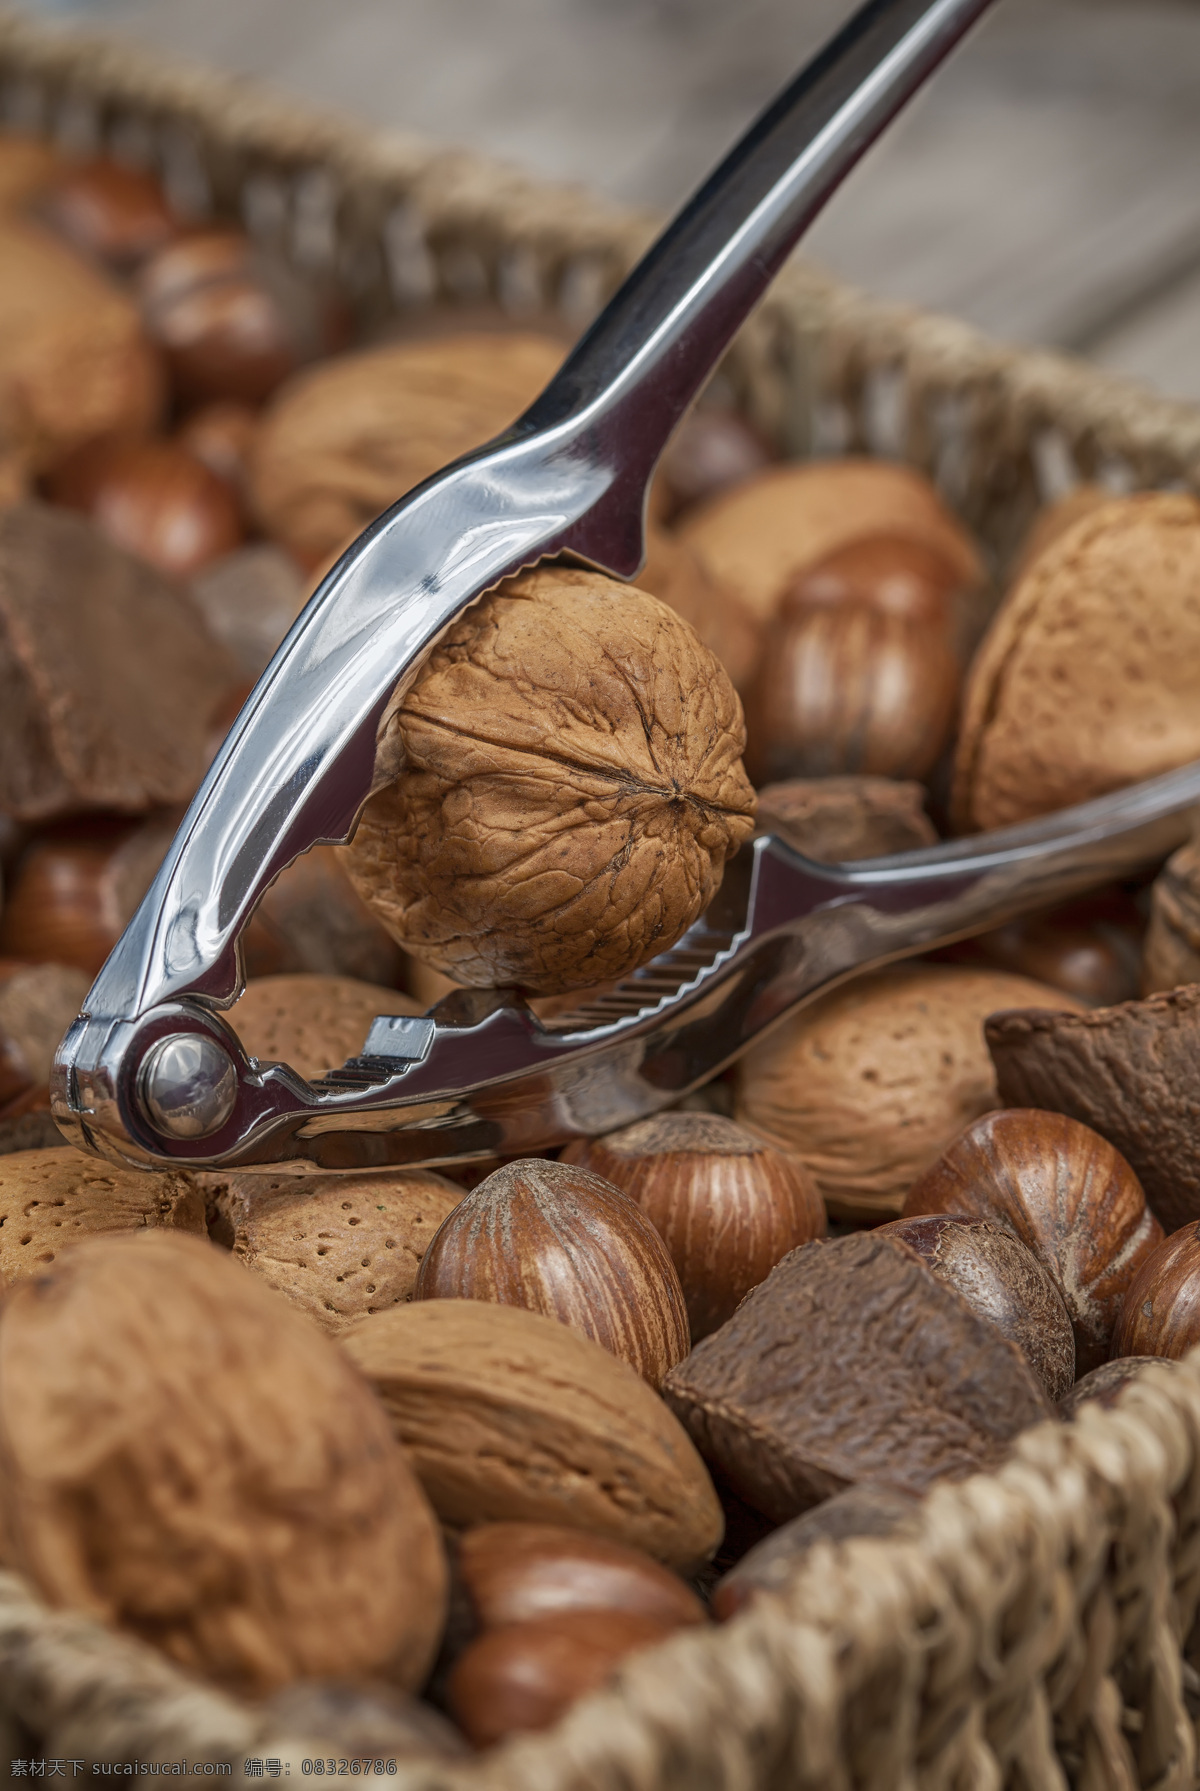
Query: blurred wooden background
x: 1047, y: 187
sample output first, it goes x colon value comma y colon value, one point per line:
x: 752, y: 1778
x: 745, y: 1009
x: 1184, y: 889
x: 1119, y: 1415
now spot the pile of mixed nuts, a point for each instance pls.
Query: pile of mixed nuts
x: 419, y: 1457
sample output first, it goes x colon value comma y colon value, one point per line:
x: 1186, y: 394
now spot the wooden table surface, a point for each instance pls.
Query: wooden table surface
x: 1047, y: 187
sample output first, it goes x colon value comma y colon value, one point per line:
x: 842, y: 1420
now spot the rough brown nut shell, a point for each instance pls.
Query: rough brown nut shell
x: 1104, y: 1385
x: 107, y: 674
x: 562, y: 787
x: 869, y: 1084
x: 555, y: 1239
x: 1171, y: 953
x: 851, y: 1362
x: 506, y: 1415
x: 839, y: 819
x: 756, y: 537
x: 1160, y: 1312
x: 312, y: 1022
x: 727, y: 1205
x: 865, y: 1510
x: 1000, y: 1278
x: 1054, y: 520
x: 50, y: 1199
x: 523, y: 1677
x: 1129, y: 1073
x: 112, y: 212
x: 184, y: 1456
x: 1087, y: 678
x: 1066, y: 1194
x: 73, y: 361
x: 342, y: 442
x: 512, y: 1573
x: 339, y: 1246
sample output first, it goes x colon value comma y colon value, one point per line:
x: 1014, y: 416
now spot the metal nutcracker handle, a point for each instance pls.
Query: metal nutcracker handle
x: 570, y: 476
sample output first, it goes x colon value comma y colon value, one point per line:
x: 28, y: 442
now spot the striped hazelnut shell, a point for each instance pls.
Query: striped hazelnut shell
x: 556, y: 1239
x: 728, y: 1205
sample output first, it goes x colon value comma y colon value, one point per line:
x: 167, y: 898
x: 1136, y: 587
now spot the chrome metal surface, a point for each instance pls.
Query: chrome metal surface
x: 570, y: 476
x: 188, y: 1086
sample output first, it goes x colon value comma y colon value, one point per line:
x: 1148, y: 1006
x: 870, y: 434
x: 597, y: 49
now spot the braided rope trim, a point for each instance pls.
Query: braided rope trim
x: 1033, y: 1634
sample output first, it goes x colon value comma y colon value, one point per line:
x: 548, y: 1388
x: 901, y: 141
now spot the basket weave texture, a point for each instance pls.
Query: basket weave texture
x: 1039, y: 1633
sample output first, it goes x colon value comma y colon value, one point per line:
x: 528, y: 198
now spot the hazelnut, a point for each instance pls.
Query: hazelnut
x: 1087, y: 677
x: 712, y: 449
x: 1066, y: 1194
x: 1160, y: 1308
x: 856, y: 671
x: 342, y: 442
x: 726, y: 1203
x: 109, y: 674
x: 50, y: 1199
x: 865, y: 1510
x: 339, y: 1246
x: 839, y: 819
x: 851, y: 1362
x: 312, y: 1023
x: 561, y: 787
x: 232, y: 319
x: 509, y: 1416
x: 524, y: 1676
x: 759, y: 536
x: 1127, y: 1072
x: 1103, y: 1386
x: 1004, y: 1282
x: 116, y: 214
x: 1171, y: 954
x: 868, y: 1084
x: 223, y: 435
x: 185, y: 1457
x: 74, y: 363
x: 513, y: 1573
x: 153, y: 498
x: 558, y: 1240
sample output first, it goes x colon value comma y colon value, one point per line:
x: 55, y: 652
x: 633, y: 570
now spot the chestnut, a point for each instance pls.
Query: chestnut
x: 153, y: 498
x: 1004, y: 1282
x: 857, y: 671
x: 232, y: 320
x: 512, y: 1572
x: 525, y: 1675
x: 1160, y: 1310
x: 1089, y: 948
x: 117, y: 214
x: 222, y: 435
x: 1066, y: 1194
x: 560, y: 1241
x: 727, y: 1204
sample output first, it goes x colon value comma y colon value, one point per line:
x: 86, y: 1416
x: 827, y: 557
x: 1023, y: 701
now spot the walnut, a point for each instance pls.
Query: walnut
x: 184, y: 1456
x: 342, y: 442
x: 563, y: 788
x: 1089, y: 675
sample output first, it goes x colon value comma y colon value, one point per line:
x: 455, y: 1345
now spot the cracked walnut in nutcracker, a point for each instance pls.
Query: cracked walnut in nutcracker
x: 558, y: 792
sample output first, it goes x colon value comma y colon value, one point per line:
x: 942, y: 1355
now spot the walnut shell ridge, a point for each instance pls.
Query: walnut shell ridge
x: 561, y: 788
x: 184, y: 1456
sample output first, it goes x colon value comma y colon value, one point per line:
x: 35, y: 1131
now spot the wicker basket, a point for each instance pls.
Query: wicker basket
x: 1038, y: 1634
